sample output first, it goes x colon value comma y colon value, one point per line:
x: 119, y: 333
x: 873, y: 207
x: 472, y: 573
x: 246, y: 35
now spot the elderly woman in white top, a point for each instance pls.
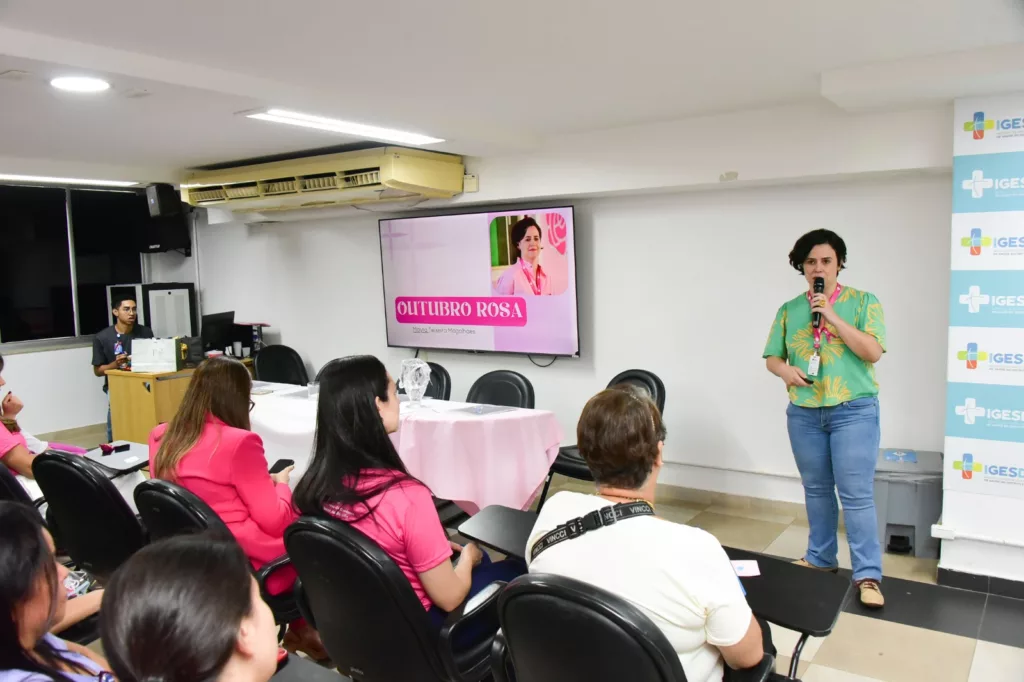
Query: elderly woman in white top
x: 685, y: 584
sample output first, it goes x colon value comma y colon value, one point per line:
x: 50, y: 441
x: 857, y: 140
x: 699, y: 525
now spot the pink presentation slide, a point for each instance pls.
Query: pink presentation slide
x: 503, y: 282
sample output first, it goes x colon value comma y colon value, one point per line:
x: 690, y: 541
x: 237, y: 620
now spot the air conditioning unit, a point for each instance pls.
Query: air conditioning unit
x: 370, y: 177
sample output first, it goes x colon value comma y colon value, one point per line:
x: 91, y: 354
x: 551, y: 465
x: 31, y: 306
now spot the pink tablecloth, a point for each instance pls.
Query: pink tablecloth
x: 478, y: 460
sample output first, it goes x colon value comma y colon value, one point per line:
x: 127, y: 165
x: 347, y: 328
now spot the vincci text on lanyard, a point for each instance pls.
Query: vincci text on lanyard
x: 605, y: 516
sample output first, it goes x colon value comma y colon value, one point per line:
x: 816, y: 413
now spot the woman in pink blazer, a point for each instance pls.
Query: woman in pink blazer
x: 525, y: 277
x: 209, y: 450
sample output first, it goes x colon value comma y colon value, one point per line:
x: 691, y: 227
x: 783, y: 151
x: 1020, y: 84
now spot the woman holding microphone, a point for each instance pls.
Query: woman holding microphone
x: 823, y: 345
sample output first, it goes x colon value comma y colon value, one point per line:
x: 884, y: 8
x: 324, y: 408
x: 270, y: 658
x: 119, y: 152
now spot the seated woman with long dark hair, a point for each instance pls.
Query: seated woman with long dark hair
x: 209, y: 449
x: 32, y: 600
x: 355, y: 475
x: 188, y: 609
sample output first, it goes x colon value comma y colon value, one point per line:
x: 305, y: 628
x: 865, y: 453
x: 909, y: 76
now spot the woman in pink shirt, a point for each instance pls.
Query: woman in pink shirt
x: 525, y: 277
x: 208, y: 449
x: 355, y: 475
x: 14, y: 452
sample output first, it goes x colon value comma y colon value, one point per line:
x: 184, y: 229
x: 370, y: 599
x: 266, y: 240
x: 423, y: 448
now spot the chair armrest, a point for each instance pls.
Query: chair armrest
x: 759, y: 673
x: 499, y: 658
x: 484, y: 602
x: 267, y: 569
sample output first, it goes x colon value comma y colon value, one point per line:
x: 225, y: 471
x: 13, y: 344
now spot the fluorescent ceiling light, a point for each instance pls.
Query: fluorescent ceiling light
x: 80, y: 84
x: 333, y: 125
x: 66, y: 181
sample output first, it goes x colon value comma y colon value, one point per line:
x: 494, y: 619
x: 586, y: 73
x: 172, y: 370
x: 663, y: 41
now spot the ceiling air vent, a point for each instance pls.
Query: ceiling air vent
x: 367, y: 176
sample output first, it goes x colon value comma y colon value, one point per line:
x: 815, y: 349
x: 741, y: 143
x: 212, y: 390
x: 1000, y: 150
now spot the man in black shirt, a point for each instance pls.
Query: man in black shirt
x: 112, y: 347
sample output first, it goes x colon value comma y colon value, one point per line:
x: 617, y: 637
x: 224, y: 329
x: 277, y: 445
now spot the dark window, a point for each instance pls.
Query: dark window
x: 108, y: 228
x: 35, y: 272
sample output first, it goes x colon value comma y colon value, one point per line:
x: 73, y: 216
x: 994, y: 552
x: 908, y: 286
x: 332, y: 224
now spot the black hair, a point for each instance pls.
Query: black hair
x: 803, y: 247
x: 119, y: 301
x: 25, y: 558
x: 173, y: 610
x: 1, y: 363
x: 518, y: 232
x: 350, y: 438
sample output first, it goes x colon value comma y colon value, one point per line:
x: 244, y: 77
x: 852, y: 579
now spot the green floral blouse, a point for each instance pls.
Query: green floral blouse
x: 842, y: 376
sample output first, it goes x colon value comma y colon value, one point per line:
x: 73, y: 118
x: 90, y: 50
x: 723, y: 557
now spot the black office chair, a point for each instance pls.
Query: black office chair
x: 368, y: 616
x: 99, y: 531
x: 280, y: 365
x: 440, y: 386
x: 569, y: 463
x: 502, y: 387
x: 168, y: 509
x: 555, y: 629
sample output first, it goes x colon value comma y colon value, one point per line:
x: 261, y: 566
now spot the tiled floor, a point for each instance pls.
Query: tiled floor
x: 83, y: 437
x: 926, y: 632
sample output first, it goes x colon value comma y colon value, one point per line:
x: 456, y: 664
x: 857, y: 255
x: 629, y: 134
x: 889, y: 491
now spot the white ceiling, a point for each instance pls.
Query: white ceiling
x: 489, y: 77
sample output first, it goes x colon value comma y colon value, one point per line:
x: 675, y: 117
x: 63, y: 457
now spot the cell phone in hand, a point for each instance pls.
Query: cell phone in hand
x: 280, y: 465
x: 809, y: 380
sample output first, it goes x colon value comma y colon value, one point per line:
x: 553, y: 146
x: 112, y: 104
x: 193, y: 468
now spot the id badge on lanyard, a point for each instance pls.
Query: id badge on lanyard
x: 814, y: 364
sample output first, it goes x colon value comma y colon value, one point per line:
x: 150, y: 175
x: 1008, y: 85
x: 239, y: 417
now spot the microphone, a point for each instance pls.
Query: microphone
x: 819, y: 288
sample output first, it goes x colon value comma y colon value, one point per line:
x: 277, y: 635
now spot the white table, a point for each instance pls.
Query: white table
x: 475, y: 460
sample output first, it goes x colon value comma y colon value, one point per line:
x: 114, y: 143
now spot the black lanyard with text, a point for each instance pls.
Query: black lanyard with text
x: 605, y: 516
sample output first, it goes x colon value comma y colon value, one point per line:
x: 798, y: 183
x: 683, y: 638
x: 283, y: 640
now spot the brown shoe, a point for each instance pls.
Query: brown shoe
x: 870, y: 593
x: 306, y: 640
x: 806, y: 564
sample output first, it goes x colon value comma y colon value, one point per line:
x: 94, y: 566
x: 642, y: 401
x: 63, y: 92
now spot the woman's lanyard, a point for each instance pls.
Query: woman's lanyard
x: 815, y: 361
x: 532, y: 279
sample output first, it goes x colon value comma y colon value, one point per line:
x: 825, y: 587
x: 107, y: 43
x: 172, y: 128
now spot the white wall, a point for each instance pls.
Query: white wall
x: 685, y: 285
x: 58, y: 388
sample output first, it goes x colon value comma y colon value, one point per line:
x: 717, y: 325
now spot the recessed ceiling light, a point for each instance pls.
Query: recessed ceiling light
x: 333, y: 125
x: 80, y: 84
x: 46, y: 180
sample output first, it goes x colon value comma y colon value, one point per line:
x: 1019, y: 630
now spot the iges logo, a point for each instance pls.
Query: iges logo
x: 967, y: 466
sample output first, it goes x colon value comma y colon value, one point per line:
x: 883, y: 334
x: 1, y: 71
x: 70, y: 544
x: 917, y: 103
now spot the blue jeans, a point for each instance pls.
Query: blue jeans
x: 836, y: 448
x: 486, y: 624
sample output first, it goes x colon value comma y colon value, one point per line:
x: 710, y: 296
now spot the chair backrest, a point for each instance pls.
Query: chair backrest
x: 280, y: 365
x: 168, y: 509
x: 98, y: 529
x: 368, y: 617
x: 502, y: 387
x: 649, y: 381
x: 440, y: 387
x: 564, y: 630
x: 10, y: 489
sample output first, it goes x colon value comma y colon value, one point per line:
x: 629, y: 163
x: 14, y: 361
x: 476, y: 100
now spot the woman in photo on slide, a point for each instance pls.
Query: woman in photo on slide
x: 209, y: 449
x: 525, y: 277
x: 832, y: 417
x: 356, y: 476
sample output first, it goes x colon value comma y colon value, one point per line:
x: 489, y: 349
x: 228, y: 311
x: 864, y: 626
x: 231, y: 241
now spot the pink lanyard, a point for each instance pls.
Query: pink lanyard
x: 533, y: 280
x: 822, y: 329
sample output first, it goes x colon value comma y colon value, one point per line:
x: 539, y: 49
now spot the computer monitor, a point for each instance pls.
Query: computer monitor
x: 218, y: 331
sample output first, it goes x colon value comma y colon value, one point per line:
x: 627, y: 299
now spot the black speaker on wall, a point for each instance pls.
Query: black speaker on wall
x: 163, y: 200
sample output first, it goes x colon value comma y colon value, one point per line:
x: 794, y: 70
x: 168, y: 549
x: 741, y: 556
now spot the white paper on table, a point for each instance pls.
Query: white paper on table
x: 746, y: 569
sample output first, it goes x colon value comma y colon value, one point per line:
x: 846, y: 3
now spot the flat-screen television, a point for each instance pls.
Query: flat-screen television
x: 499, y: 281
